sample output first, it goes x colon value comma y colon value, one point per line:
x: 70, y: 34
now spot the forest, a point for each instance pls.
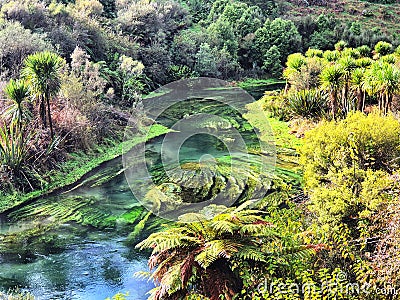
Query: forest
x: 312, y: 88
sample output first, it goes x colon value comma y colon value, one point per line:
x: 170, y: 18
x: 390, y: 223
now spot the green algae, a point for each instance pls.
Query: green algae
x: 40, y: 239
x: 82, y: 210
x: 77, y: 166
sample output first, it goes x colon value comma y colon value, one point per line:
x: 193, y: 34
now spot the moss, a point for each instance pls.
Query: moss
x: 132, y: 216
x: 138, y: 230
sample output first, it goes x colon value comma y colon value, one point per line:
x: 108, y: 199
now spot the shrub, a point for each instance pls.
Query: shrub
x: 303, y: 73
x: 16, y: 43
x: 75, y: 129
x: 368, y: 142
x: 347, y: 165
x: 383, y: 48
x: 331, y: 55
x: 13, y: 148
x: 275, y: 103
x: 307, y: 103
x: 314, y: 52
x: 16, y: 296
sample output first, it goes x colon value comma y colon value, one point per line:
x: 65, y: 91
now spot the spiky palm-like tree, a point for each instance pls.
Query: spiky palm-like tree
x: 357, y: 84
x: 17, y: 91
x: 389, y: 80
x: 42, y: 72
x: 294, y: 63
x: 383, y: 80
x: 198, y: 256
x: 332, y: 80
x: 348, y: 64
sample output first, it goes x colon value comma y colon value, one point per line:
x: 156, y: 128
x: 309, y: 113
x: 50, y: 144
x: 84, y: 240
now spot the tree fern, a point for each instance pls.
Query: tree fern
x: 199, y: 256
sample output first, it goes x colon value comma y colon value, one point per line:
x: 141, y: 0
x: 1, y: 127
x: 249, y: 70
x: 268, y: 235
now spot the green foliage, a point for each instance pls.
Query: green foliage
x: 42, y: 72
x: 17, y: 91
x: 295, y: 61
x: 332, y: 80
x: 303, y: 72
x: 364, y: 50
x: 206, y: 64
x: 178, y: 72
x: 119, y: 296
x: 345, y: 163
x: 383, y: 48
x: 307, y: 103
x: 331, y: 56
x: 347, y: 75
x: 202, y: 255
x: 276, y: 104
x: 16, y: 43
x: 17, y: 296
x: 340, y: 46
x: 223, y: 36
x: 331, y: 77
x: 272, y: 63
x: 314, y: 53
x: 14, y: 150
x: 281, y: 33
x: 227, y: 65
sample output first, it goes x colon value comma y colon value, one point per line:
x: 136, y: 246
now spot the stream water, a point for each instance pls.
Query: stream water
x: 79, y: 256
x: 94, y: 264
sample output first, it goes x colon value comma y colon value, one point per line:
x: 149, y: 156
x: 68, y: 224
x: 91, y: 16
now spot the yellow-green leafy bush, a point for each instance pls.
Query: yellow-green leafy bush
x: 347, y: 166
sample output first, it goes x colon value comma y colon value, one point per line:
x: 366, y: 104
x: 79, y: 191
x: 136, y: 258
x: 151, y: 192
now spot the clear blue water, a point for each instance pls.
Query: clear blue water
x: 88, y: 270
x: 95, y: 264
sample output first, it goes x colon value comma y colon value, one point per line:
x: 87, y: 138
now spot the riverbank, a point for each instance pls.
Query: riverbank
x: 76, y: 167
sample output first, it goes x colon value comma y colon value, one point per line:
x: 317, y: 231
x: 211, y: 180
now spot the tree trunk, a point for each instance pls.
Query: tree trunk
x: 49, y: 115
x: 380, y: 102
x: 363, y: 100
x: 359, y: 99
x: 345, y: 96
x: 42, y: 111
x: 388, y: 100
x: 333, y: 104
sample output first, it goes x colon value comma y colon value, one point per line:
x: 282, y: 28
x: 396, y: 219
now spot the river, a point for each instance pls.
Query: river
x: 73, y: 245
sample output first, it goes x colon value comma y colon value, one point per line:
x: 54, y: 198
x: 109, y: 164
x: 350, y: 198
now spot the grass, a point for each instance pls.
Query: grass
x: 254, y: 83
x: 78, y: 165
x: 283, y: 137
x: 280, y: 129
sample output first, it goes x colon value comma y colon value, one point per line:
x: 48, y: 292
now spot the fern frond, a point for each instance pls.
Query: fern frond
x: 172, y: 279
x: 166, y: 240
x: 223, y: 227
x: 251, y: 253
x: 173, y: 242
x: 154, y: 293
x: 142, y: 275
x: 257, y: 229
x: 216, y: 249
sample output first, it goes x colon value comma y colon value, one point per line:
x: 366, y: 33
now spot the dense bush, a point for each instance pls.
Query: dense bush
x: 16, y: 43
x: 347, y: 165
x: 276, y: 104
